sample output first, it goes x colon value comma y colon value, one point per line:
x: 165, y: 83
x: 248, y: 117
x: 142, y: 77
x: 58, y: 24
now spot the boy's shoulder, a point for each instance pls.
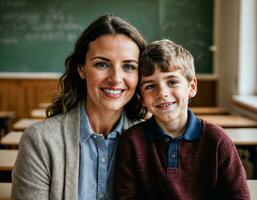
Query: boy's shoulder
x: 215, y: 133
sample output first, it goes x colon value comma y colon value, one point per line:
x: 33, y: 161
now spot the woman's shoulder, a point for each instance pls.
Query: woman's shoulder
x: 54, y: 126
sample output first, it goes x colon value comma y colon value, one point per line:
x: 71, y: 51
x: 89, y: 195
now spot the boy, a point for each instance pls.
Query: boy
x: 175, y: 155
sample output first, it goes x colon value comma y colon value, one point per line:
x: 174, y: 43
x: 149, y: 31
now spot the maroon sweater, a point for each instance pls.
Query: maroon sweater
x: 201, y: 164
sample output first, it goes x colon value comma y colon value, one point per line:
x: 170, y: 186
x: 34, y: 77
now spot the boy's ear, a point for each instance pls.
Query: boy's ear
x: 192, y: 88
x: 80, y: 70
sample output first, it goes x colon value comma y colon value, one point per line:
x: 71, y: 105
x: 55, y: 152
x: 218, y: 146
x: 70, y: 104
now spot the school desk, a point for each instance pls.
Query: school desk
x: 24, y: 123
x: 242, y: 136
x: 252, y: 185
x: 38, y: 113
x: 44, y: 105
x: 5, y: 189
x: 7, y: 114
x: 7, y: 159
x: 230, y: 121
x: 208, y: 110
x: 11, y: 139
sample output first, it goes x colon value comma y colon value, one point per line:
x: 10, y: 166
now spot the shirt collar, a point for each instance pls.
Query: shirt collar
x: 192, y: 131
x: 86, y: 130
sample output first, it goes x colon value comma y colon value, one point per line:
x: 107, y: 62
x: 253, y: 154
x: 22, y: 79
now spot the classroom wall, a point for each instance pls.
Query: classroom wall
x: 226, y: 29
x: 23, y: 95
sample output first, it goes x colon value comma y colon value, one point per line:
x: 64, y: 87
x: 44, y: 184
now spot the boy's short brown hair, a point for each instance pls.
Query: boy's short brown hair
x: 164, y: 54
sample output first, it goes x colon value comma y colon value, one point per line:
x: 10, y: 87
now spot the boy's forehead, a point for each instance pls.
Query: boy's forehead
x: 166, y: 69
x: 159, y: 74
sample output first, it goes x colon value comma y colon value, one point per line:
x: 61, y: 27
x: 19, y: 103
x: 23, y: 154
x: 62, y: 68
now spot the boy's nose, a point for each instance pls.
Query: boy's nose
x: 162, y: 93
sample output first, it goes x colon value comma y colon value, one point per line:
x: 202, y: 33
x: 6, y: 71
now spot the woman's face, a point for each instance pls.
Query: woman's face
x: 111, y: 72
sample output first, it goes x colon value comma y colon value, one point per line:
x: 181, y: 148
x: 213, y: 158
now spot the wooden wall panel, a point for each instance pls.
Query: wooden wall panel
x: 23, y: 95
x: 206, y: 93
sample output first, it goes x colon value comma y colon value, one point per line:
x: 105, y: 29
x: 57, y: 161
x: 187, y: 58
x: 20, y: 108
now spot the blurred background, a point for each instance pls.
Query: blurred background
x: 37, y: 36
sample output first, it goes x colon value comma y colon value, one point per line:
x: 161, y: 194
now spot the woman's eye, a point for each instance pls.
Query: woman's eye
x: 149, y: 87
x: 130, y: 67
x: 101, y: 65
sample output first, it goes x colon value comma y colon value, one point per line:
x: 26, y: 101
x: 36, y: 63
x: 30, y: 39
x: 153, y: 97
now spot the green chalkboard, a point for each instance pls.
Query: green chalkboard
x: 37, y: 36
x: 190, y: 23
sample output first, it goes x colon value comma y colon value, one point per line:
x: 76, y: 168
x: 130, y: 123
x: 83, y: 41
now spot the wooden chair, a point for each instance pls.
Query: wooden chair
x: 6, y: 120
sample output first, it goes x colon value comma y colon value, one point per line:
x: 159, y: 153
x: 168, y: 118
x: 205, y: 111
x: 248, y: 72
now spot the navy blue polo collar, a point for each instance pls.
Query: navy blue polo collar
x: 192, y: 131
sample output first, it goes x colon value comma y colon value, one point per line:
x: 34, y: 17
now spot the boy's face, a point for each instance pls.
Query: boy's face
x: 166, y: 95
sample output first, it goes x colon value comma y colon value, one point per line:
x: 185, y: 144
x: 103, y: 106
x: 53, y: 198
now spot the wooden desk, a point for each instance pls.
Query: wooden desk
x: 7, y: 114
x: 242, y: 136
x: 5, y: 189
x: 38, y: 113
x: 7, y: 159
x: 12, y: 138
x: 230, y: 121
x: 44, y: 105
x: 22, y: 124
x: 208, y: 110
x: 252, y: 185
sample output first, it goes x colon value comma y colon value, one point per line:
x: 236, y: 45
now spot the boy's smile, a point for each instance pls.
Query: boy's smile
x: 166, y: 95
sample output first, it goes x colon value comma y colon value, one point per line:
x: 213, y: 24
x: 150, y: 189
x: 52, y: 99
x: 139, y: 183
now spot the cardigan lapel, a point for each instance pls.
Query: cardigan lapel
x: 71, y: 138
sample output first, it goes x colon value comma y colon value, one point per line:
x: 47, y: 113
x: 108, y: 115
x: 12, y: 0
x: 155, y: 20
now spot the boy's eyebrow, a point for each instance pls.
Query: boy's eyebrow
x: 165, y: 78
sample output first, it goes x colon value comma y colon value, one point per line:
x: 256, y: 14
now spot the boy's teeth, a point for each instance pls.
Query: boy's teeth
x: 112, y: 91
x: 164, y: 104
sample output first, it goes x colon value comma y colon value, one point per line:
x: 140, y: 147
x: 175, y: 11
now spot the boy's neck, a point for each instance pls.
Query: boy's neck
x: 175, y: 127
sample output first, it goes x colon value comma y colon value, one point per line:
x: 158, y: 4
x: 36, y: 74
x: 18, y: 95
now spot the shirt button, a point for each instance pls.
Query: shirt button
x: 103, y: 159
x: 167, y: 139
x: 173, y: 156
x: 101, y: 196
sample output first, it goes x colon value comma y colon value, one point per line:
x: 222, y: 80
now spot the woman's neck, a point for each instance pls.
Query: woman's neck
x: 103, y: 122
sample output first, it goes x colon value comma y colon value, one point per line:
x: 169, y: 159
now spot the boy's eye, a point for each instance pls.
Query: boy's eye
x: 172, y: 82
x: 129, y: 67
x: 101, y: 65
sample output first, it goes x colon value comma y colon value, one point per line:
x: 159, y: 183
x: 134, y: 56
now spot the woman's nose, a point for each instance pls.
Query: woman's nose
x: 115, y: 76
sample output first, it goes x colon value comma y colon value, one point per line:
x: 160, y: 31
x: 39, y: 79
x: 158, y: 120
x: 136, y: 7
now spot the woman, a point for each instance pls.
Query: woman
x: 71, y: 155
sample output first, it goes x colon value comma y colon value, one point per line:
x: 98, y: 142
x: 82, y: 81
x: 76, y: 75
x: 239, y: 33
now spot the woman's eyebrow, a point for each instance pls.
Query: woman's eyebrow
x: 130, y: 61
x: 146, y: 82
x: 101, y: 58
x: 106, y: 59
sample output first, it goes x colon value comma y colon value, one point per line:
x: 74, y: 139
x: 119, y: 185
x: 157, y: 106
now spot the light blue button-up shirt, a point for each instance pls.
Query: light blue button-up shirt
x: 97, y: 160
